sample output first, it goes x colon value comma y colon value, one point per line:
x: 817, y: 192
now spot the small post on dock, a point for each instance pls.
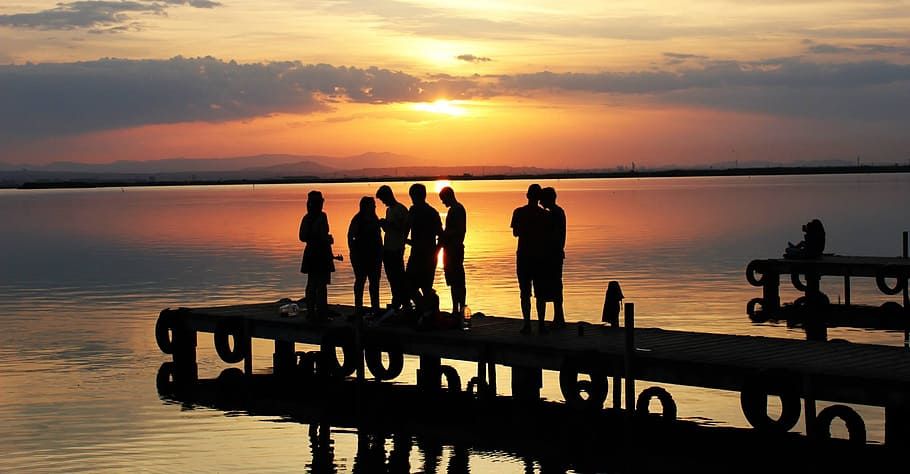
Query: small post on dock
x: 248, y: 349
x: 847, y: 289
x: 906, y: 295
x: 629, y: 355
x: 526, y: 383
x: 429, y: 374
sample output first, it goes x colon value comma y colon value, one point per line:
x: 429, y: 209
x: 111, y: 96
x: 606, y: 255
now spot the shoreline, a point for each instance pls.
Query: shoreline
x: 669, y: 173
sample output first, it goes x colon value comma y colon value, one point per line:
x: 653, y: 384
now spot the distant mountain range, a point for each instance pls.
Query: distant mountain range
x: 277, y: 167
x: 258, y: 167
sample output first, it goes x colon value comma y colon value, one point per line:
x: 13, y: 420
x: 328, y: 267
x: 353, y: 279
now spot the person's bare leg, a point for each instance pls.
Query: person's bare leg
x: 525, y: 290
x: 541, y: 315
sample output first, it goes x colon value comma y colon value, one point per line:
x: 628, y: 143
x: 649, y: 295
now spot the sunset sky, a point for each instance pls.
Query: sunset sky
x: 568, y: 84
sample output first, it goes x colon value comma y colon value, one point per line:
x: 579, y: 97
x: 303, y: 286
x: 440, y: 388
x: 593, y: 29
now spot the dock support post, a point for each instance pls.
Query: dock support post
x: 429, y: 374
x: 847, y: 289
x: 284, y: 359
x: 248, y: 356
x: 186, y: 371
x: 810, y: 408
x: 617, y: 385
x: 630, y: 353
x: 816, y: 325
x: 770, y: 292
x: 491, y: 370
x: 906, y: 294
x: 897, y: 425
x: 526, y: 383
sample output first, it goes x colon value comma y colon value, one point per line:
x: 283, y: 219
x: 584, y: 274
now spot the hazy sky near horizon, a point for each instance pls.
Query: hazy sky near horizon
x: 554, y: 84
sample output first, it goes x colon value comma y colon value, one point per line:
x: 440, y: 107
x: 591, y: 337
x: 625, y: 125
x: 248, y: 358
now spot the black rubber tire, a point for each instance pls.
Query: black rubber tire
x: 224, y: 330
x: 373, y: 356
x: 164, y: 329
x: 855, y: 425
x: 231, y: 377
x: 453, y: 380
x: 344, y: 338
x: 668, y: 405
x: 890, y: 272
x: 754, y: 400
x: 754, y: 315
x: 797, y: 282
x: 571, y: 388
x: 750, y: 275
x: 164, y: 381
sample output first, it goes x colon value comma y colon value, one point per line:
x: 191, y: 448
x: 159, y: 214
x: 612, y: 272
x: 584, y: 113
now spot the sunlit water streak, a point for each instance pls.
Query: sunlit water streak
x: 85, y: 273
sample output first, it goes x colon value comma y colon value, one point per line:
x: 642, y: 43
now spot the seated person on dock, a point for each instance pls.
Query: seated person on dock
x: 813, y: 243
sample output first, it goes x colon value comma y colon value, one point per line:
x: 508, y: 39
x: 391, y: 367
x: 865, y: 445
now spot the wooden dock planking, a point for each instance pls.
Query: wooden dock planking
x: 834, y: 265
x: 840, y: 372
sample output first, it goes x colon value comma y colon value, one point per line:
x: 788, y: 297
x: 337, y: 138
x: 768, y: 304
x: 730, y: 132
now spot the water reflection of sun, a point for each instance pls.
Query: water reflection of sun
x: 441, y: 183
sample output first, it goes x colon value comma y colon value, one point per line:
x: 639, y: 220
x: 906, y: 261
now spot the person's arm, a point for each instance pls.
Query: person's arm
x: 352, y: 233
x: 514, y: 223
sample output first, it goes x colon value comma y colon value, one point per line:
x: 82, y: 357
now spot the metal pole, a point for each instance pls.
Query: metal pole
x: 630, y: 353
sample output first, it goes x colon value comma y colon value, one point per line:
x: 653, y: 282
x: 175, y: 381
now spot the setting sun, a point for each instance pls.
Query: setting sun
x: 441, y: 183
x: 442, y: 106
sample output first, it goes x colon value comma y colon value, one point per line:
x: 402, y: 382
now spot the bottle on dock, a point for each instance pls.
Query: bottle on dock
x: 466, y: 325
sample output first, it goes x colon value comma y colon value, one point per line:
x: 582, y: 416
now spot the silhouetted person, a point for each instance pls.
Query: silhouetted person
x: 395, y: 225
x: 813, y: 244
x: 452, y: 243
x: 425, y: 226
x: 317, y: 260
x: 529, y: 224
x: 612, y: 303
x: 555, y: 252
x: 365, y: 244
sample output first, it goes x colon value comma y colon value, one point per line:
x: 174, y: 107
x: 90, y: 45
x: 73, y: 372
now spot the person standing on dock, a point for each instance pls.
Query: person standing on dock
x: 317, y: 260
x: 529, y: 225
x: 425, y: 226
x: 365, y: 244
x: 395, y: 225
x: 555, y: 254
x: 452, y: 243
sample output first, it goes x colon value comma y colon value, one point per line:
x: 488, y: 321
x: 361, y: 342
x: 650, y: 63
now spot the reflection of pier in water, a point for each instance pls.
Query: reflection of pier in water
x: 814, y: 310
x: 392, y: 420
x: 798, y: 372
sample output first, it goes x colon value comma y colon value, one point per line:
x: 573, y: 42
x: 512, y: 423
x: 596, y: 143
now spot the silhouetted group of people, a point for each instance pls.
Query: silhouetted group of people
x: 540, y: 226
x: 376, y: 242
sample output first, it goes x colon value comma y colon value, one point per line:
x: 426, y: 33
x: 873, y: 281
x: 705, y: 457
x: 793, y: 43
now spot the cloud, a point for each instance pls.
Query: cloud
x: 96, y: 14
x: 858, y: 49
x: 43, y: 100
x: 472, y: 59
x: 51, y: 99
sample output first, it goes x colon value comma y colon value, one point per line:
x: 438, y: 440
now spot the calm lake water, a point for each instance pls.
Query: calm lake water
x: 85, y: 272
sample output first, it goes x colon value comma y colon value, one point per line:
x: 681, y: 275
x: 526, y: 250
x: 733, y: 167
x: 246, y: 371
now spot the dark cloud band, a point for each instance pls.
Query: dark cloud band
x: 94, y: 14
x: 41, y: 100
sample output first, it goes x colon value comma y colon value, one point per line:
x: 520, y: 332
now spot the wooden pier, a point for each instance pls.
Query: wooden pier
x: 799, y: 372
x: 815, y: 308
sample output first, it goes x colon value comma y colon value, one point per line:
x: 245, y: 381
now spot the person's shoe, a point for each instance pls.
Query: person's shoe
x: 558, y: 324
x: 526, y: 329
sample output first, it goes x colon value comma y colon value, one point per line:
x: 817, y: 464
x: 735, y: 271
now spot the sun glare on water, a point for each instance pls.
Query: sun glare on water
x: 441, y: 183
x: 444, y: 107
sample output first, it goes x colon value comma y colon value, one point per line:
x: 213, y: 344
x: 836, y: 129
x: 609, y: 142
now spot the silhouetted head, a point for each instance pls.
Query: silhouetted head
x: 614, y: 292
x: 385, y: 194
x: 447, y: 196
x: 547, y: 197
x: 533, y: 193
x: 314, y: 202
x: 418, y: 193
x: 368, y: 205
